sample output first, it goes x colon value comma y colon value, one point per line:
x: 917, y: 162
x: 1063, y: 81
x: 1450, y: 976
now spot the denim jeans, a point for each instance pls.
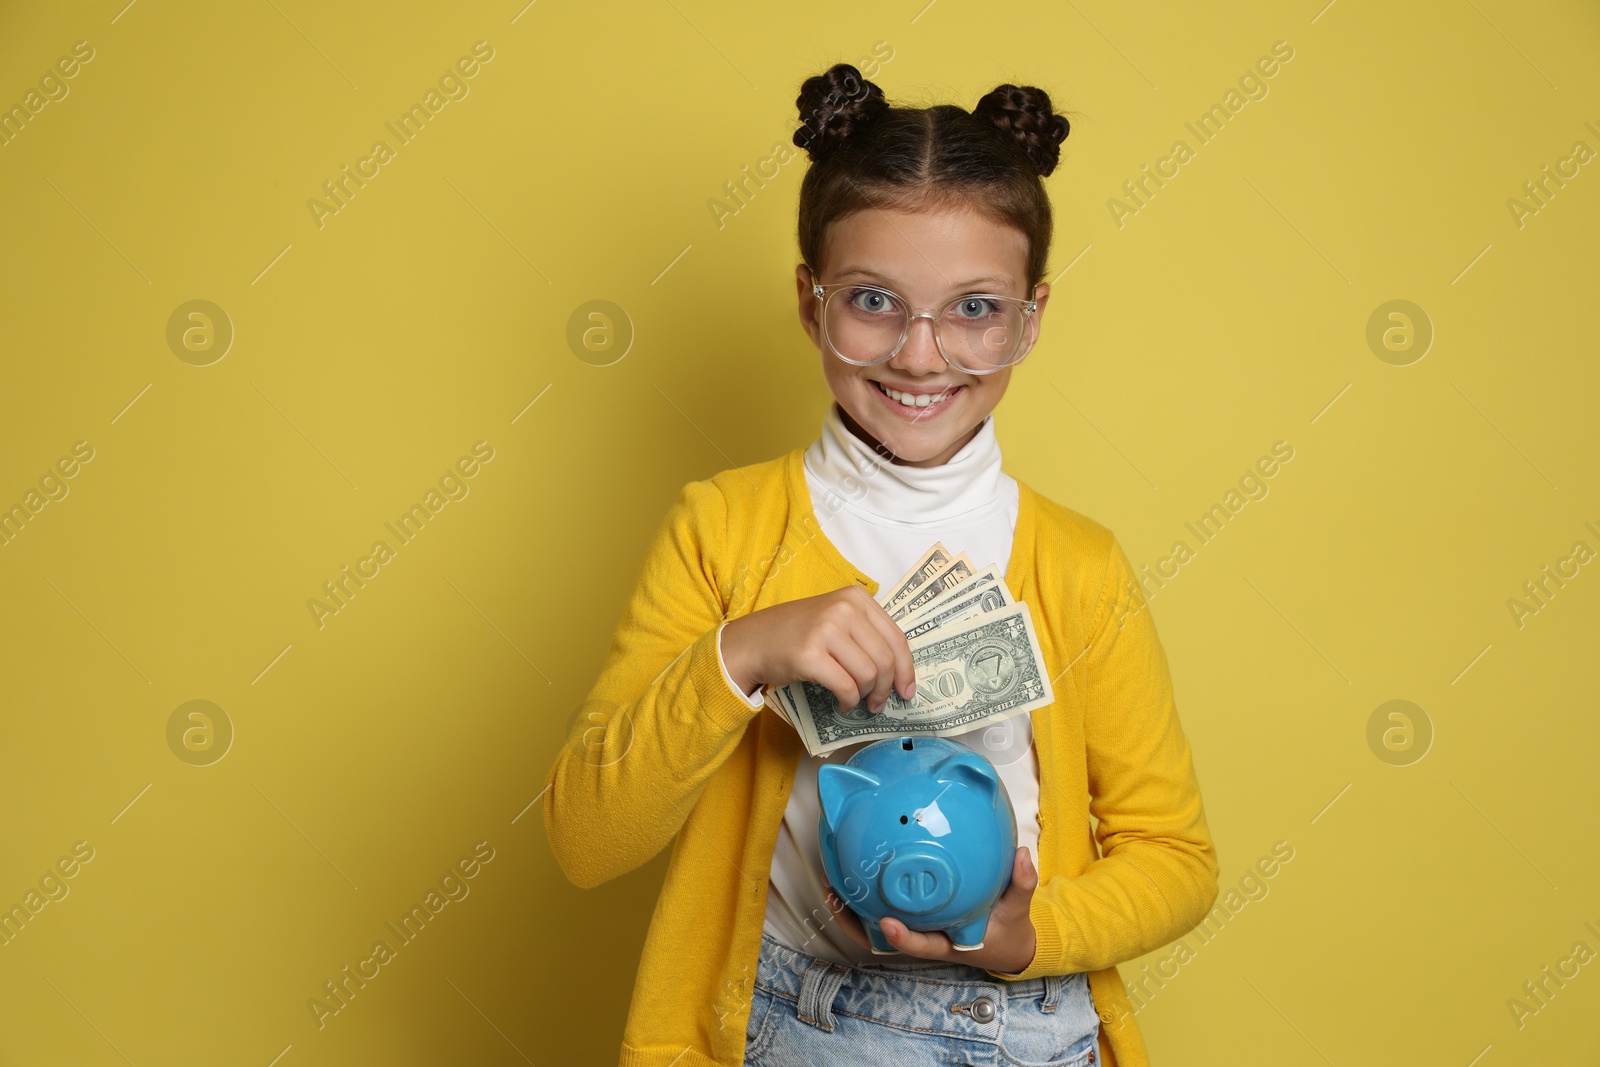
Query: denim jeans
x: 810, y: 1012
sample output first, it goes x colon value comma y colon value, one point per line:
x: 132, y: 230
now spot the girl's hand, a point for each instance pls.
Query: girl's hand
x: 842, y: 640
x: 1008, y: 944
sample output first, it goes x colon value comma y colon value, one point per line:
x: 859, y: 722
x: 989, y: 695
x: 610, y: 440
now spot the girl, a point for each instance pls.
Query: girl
x: 765, y: 574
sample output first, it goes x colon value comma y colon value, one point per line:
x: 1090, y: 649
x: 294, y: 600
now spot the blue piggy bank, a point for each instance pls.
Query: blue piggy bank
x: 920, y: 828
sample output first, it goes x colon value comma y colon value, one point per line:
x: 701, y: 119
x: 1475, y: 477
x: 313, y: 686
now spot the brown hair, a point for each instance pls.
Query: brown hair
x: 865, y: 153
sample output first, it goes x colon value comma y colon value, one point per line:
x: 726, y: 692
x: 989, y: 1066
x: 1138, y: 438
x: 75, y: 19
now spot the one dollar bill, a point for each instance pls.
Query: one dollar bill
x: 981, y: 665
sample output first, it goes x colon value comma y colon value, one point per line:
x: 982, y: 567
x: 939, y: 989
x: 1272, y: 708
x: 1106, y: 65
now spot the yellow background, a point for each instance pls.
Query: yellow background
x: 374, y: 752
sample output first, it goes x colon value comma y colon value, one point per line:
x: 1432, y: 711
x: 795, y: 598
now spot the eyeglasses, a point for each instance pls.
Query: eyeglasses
x: 978, y: 332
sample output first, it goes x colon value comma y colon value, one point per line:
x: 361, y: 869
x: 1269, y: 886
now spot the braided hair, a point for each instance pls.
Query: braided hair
x: 866, y: 153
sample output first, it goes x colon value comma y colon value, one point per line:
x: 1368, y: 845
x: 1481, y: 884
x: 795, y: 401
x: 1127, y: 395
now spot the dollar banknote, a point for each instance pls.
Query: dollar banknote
x: 959, y: 571
x: 985, y: 592
x: 974, y: 651
x: 932, y: 562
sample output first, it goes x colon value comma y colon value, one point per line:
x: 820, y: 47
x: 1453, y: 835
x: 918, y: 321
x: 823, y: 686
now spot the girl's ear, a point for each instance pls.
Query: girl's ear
x: 810, y: 306
x: 1041, y: 296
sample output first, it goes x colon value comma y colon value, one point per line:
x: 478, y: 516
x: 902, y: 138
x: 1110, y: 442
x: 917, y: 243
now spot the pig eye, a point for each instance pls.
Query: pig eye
x: 902, y: 819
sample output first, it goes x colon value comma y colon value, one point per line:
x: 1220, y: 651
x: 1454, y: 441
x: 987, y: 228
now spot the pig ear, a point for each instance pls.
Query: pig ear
x: 970, y: 768
x: 836, y: 784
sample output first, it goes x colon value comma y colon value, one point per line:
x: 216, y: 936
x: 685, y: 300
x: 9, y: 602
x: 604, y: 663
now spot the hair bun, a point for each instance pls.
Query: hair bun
x: 833, y: 105
x: 1023, y: 113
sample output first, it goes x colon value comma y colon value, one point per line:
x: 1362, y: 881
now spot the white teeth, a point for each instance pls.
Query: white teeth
x: 913, y: 400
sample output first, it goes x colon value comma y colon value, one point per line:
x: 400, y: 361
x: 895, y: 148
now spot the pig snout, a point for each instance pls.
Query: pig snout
x: 917, y: 883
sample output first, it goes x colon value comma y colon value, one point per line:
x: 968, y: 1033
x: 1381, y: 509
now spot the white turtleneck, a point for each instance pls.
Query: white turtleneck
x: 882, y: 517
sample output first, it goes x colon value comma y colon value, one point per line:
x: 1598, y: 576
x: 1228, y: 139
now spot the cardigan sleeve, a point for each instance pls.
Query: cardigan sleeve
x: 662, y: 717
x: 1156, y: 876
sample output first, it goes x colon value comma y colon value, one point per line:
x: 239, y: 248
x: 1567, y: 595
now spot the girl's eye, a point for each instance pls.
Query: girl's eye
x: 976, y: 307
x: 874, y: 301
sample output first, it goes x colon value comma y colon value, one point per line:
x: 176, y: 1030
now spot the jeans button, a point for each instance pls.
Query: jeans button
x: 983, y: 1009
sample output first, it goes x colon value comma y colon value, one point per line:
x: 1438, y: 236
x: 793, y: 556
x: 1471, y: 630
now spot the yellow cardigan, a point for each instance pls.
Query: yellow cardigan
x: 665, y: 747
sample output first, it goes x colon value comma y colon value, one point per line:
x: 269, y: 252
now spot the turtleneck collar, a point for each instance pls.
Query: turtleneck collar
x: 873, y: 486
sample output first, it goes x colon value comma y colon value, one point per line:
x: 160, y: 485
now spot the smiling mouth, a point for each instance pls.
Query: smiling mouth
x: 917, y: 400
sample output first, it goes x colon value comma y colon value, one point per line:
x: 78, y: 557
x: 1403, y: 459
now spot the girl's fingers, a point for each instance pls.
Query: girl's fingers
x: 878, y: 650
x: 1018, y: 896
x: 847, y: 919
x: 847, y: 671
x: 902, y: 674
x: 859, y: 662
x: 833, y: 677
x: 1027, y: 876
x: 931, y: 945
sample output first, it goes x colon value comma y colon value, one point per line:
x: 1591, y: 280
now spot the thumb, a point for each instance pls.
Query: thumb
x: 1024, y: 875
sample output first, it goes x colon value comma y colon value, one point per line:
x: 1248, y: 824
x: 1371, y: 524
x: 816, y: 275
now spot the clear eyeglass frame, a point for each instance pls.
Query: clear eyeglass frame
x: 823, y: 292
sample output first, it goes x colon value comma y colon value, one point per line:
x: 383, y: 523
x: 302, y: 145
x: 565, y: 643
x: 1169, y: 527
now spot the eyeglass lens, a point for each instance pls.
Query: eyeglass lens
x: 976, y: 332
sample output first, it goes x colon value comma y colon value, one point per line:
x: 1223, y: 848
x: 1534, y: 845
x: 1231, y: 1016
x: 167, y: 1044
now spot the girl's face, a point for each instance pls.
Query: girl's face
x: 928, y: 258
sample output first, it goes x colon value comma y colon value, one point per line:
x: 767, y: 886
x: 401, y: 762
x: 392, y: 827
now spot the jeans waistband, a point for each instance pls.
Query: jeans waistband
x: 932, y: 995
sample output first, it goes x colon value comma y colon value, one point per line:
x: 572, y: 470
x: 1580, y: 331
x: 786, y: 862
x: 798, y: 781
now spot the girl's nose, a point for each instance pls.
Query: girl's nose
x: 920, y: 353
